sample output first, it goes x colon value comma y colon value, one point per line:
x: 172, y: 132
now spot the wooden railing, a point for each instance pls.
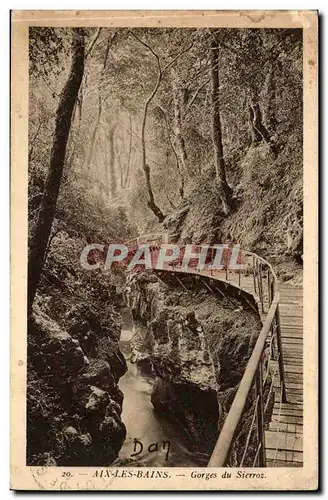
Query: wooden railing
x: 241, y: 440
x: 257, y: 384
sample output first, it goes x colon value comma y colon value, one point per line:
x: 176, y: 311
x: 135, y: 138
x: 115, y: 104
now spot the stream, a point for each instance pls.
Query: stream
x: 161, y: 442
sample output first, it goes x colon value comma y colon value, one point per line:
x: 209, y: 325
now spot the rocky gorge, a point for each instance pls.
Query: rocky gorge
x: 195, y: 337
x: 191, y: 340
x: 186, y: 160
x: 74, y: 403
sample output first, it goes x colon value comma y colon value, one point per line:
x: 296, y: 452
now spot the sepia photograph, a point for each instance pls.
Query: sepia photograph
x: 165, y: 227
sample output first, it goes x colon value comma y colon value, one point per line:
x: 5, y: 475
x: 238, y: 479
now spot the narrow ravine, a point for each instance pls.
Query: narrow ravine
x: 163, y: 443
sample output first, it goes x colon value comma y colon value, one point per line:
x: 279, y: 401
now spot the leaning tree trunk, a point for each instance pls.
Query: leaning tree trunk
x: 174, y: 150
x: 145, y: 167
x: 65, y: 108
x: 270, y: 96
x: 224, y: 189
x: 180, y: 145
x: 111, y: 166
x: 260, y: 132
x: 93, y: 137
x: 127, y: 172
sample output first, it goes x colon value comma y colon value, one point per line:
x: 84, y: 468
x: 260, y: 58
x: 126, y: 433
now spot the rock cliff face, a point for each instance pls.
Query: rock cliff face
x: 197, y: 345
x: 267, y: 211
x: 73, y: 401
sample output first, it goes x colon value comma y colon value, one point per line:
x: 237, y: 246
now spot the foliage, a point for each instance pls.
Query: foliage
x: 120, y: 73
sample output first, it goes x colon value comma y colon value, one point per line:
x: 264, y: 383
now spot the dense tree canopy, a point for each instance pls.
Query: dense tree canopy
x: 158, y: 112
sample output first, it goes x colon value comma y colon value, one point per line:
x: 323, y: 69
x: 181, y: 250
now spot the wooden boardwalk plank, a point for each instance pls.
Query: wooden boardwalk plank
x: 283, y: 441
x: 288, y: 419
x: 285, y: 427
x: 283, y: 463
x: 284, y: 436
x: 285, y: 455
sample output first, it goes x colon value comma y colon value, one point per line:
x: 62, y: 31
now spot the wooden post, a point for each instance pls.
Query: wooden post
x: 260, y: 415
x: 274, y: 342
x: 272, y: 290
x: 254, y: 274
x: 261, y: 286
x: 239, y: 277
x: 212, y: 260
x: 281, y: 357
x: 258, y: 279
x: 269, y: 290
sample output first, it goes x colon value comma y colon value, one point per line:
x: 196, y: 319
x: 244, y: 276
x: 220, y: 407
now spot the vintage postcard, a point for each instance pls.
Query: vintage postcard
x: 164, y: 250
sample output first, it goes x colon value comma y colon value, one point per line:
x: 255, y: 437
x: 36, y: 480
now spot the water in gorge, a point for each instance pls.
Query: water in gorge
x: 160, y: 442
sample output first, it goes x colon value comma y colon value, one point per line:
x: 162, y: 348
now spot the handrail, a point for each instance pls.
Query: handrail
x: 221, y: 450
x: 253, y: 370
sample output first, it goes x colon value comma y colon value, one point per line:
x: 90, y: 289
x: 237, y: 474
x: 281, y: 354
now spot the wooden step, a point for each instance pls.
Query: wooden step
x: 285, y: 427
x: 285, y: 455
x: 289, y: 406
x: 294, y: 397
x: 287, y: 411
x: 294, y: 326
x: 288, y: 419
x: 293, y: 377
x: 294, y: 385
x: 293, y: 352
x: 293, y: 368
x: 282, y: 463
x: 289, y: 368
x: 291, y: 340
x: 291, y: 292
x: 290, y: 314
x: 292, y: 332
x: 283, y: 441
x: 292, y: 360
x: 290, y: 390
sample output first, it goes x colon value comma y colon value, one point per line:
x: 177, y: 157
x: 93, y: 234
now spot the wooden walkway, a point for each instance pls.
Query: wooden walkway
x: 284, y: 435
x: 284, y: 438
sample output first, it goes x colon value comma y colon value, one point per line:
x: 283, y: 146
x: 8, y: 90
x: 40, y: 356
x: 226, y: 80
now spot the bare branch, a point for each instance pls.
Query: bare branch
x: 151, y: 201
x: 109, y: 44
x: 92, y: 43
x: 168, y: 130
x: 32, y: 142
x: 197, y: 92
x: 177, y: 57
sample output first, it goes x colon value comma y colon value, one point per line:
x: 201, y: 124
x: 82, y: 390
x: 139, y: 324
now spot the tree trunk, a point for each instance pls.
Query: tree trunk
x: 174, y: 150
x: 120, y: 167
x: 151, y: 200
x: 127, y: 173
x: 180, y: 145
x: 258, y: 123
x: 111, y: 166
x: 269, y: 93
x: 256, y: 136
x: 224, y: 189
x: 65, y: 108
x: 32, y: 142
x: 145, y: 167
x: 259, y: 130
x: 93, y: 137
